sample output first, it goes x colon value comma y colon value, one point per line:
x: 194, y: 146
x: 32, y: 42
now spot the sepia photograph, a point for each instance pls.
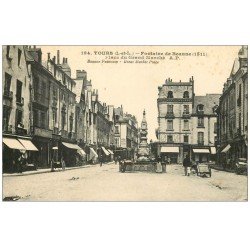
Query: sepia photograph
x: 125, y: 123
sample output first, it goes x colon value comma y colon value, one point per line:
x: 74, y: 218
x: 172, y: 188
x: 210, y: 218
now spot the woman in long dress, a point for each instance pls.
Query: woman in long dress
x: 158, y: 166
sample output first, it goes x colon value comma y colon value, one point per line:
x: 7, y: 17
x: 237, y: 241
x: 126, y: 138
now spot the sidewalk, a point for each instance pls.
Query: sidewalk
x: 48, y: 170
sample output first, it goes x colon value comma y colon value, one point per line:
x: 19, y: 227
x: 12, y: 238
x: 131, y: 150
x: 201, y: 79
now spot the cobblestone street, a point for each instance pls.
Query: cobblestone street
x: 106, y: 183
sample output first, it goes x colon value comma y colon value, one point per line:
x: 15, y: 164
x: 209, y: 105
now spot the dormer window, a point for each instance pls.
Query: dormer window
x: 186, y: 94
x: 200, y: 108
x: 170, y: 94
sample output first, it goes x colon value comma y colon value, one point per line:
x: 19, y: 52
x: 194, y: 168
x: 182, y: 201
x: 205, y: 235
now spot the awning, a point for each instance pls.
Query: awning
x: 110, y: 151
x: 170, y: 150
x: 226, y: 149
x: 92, y: 154
x: 106, y: 152
x: 71, y: 146
x: 13, y: 143
x: 81, y: 152
x: 55, y: 148
x: 201, y: 151
x: 213, y: 150
x: 28, y: 145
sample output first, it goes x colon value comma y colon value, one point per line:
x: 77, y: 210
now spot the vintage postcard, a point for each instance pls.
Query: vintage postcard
x: 124, y: 123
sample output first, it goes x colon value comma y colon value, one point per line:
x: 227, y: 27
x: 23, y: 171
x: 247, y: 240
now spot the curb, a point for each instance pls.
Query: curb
x: 49, y: 170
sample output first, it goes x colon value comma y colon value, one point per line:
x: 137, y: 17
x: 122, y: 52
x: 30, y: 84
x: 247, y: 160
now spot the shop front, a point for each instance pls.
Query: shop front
x: 13, y: 147
x: 70, y: 153
x: 201, y: 155
x: 169, y: 154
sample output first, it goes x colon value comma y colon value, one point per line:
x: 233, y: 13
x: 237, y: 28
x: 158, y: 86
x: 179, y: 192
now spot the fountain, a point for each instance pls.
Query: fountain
x: 143, y: 162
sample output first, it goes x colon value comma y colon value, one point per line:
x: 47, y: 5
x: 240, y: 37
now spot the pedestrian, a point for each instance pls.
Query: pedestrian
x: 63, y: 163
x: 186, y: 165
x: 100, y: 159
x: 159, y: 165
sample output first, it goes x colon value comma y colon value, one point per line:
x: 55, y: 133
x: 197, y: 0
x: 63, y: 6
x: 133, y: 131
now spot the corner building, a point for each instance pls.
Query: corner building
x: 175, y: 102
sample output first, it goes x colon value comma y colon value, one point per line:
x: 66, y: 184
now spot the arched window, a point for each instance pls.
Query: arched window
x: 186, y: 94
x: 170, y: 94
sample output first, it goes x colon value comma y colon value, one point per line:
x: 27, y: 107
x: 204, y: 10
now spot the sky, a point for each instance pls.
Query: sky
x: 135, y: 85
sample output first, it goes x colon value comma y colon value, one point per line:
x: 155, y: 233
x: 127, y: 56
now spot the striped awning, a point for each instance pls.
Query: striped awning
x: 13, y: 143
x: 110, y: 151
x: 201, y: 151
x: 106, y: 152
x: 92, y: 154
x: 226, y: 149
x: 71, y: 146
x: 170, y: 150
x: 28, y: 145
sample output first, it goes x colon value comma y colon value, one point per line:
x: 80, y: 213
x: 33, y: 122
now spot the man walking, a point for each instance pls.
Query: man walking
x: 186, y: 165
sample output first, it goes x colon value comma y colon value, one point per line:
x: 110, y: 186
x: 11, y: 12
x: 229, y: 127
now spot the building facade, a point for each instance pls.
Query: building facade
x: 232, y: 113
x: 175, y: 102
x: 126, y: 134
x: 204, y: 127
x: 187, y: 123
x: 16, y: 106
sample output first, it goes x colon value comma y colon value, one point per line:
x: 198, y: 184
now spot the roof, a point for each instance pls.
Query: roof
x: 209, y: 101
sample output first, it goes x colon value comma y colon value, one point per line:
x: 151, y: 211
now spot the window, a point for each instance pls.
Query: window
x: 215, y: 127
x: 186, y: 125
x: 186, y: 109
x: 19, y: 118
x: 6, y: 117
x: 200, y: 108
x: 43, y: 120
x: 54, y: 117
x: 200, y: 122
x: 169, y: 138
x: 185, y: 138
x: 63, y: 120
x: 170, y: 94
x: 170, y: 125
x: 35, y: 118
x: 200, y: 138
x: 170, y: 109
x: 186, y: 94
x: 19, y: 91
x: 116, y: 129
x: 71, y: 124
x: 55, y: 92
x: 19, y: 56
x: 7, y: 84
x: 8, y: 52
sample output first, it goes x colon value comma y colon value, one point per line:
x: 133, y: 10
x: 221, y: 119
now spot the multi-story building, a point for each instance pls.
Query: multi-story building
x: 53, y: 108
x: 16, y: 106
x: 204, y: 127
x: 232, y: 113
x: 187, y: 123
x: 175, y: 102
x: 126, y: 134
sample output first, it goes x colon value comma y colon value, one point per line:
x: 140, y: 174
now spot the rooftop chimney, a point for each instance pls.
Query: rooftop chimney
x: 58, y: 56
x: 48, y: 56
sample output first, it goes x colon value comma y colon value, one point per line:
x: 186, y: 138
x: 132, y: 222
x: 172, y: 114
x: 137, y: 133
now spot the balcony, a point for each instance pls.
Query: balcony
x: 8, y: 98
x: 186, y: 115
x: 20, y: 101
x: 42, y: 132
x: 200, y: 112
x: 170, y: 115
x: 200, y: 125
x: 8, y: 95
